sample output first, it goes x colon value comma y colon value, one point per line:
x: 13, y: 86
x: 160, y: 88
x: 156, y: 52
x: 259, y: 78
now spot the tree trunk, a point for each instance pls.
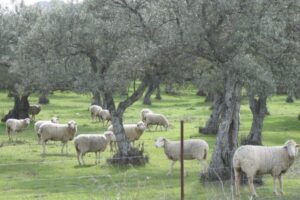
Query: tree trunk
x: 201, y: 93
x: 209, y: 97
x: 126, y: 154
x: 97, y: 98
x: 226, y: 143
x: 289, y: 99
x: 158, y: 96
x: 258, y: 107
x: 43, y: 98
x: 212, y: 125
x: 20, y: 110
x: 153, y: 85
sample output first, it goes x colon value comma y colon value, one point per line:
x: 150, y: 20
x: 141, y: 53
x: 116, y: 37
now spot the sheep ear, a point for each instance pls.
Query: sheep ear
x: 298, y: 145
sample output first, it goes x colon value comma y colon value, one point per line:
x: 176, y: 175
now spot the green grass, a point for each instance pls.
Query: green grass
x: 26, y: 174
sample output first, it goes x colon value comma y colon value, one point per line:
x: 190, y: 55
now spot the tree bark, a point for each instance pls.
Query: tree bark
x: 226, y: 143
x: 126, y: 154
x: 153, y: 85
x: 43, y: 98
x: 258, y: 107
x: 97, y: 98
x: 212, y: 125
x: 158, y: 96
x: 209, y: 97
x: 20, y: 110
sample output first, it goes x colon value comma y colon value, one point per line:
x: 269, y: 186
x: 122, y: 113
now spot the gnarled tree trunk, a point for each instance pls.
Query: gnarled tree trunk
x: 226, y: 143
x: 20, y: 110
x: 153, y: 85
x: 212, y: 125
x: 258, y: 107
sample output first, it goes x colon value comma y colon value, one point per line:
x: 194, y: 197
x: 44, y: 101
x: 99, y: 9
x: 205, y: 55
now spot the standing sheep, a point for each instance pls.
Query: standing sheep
x: 254, y: 160
x: 104, y: 115
x: 16, y: 125
x: 57, y: 132
x: 132, y: 131
x: 34, y: 110
x: 156, y: 119
x: 92, y: 143
x: 37, y: 124
x: 193, y: 149
x: 94, y: 109
x: 144, y: 111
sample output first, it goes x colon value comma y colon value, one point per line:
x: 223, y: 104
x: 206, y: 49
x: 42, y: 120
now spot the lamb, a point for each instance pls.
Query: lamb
x: 94, y: 109
x: 34, y: 110
x: 132, y: 131
x: 16, y: 125
x: 57, y: 132
x: 92, y: 143
x: 104, y: 115
x: 144, y: 112
x: 156, y: 119
x: 37, y: 124
x: 253, y: 160
x: 193, y: 149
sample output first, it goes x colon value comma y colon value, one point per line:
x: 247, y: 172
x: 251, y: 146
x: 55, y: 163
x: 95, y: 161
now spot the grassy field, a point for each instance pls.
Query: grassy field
x: 26, y: 174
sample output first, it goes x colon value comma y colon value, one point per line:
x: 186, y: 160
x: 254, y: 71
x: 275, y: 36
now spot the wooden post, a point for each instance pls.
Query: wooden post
x: 181, y: 160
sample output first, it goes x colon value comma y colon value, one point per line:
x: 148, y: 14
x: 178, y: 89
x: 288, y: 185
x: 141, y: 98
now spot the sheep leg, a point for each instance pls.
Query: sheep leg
x: 204, y: 165
x: 81, y: 157
x: 275, y: 188
x: 251, y: 186
x: 280, y: 184
x: 62, y: 149
x: 78, y: 158
x: 97, y: 154
x: 44, y: 147
x: 171, y: 168
x: 237, y: 181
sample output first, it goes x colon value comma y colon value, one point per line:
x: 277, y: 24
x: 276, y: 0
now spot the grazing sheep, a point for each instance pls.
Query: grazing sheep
x: 193, y: 149
x: 132, y: 131
x: 104, y: 115
x: 92, y: 143
x: 156, y: 119
x: 254, y: 160
x: 57, y: 132
x: 34, y: 110
x: 16, y: 125
x: 144, y: 111
x: 37, y: 124
x: 94, y: 109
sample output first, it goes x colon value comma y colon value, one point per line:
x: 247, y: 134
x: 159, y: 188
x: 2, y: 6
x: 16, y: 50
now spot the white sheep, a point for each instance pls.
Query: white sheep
x: 253, y: 160
x: 132, y: 131
x: 57, y: 132
x: 94, y: 109
x: 38, y: 123
x: 92, y: 143
x: 104, y: 115
x: 193, y: 149
x: 156, y: 119
x: 144, y: 111
x: 16, y: 125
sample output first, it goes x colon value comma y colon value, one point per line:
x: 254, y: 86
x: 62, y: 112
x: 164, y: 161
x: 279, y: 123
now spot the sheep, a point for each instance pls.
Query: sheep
x: 156, y: 119
x: 193, y: 149
x: 34, y: 110
x: 92, y: 143
x: 16, y: 125
x: 57, y: 132
x: 37, y: 124
x: 132, y: 131
x: 144, y: 111
x: 94, y: 109
x: 253, y: 160
x: 104, y: 115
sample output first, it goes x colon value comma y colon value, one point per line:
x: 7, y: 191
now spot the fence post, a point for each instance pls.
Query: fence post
x: 181, y: 159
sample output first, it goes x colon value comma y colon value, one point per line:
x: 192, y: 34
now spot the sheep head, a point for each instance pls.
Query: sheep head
x: 110, y: 136
x: 292, y: 148
x: 54, y: 120
x: 160, y: 142
x: 141, y: 126
x: 72, y: 125
x: 27, y: 121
